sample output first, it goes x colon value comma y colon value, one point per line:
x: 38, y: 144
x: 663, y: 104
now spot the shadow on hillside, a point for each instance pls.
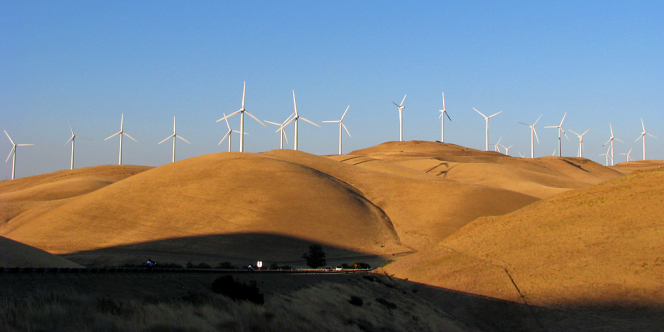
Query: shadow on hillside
x: 491, y: 314
x: 238, y: 248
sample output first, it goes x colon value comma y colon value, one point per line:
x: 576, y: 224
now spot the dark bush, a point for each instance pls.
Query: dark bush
x: 274, y: 266
x: 203, y: 266
x: 226, y: 265
x: 368, y: 277
x: 360, y: 265
x: 190, y: 265
x: 356, y: 300
x: 386, y: 303
x: 315, y: 257
x: 226, y: 286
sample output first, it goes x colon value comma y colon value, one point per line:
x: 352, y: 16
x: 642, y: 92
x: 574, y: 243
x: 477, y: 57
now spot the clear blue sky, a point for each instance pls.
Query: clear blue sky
x: 90, y: 61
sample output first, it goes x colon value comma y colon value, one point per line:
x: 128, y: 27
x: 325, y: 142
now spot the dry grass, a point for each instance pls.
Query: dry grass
x: 322, y: 306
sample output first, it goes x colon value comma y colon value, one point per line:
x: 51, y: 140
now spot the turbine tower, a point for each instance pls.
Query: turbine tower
x: 401, y: 107
x: 643, y: 135
x: 173, y: 137
x: 281, y: 129
x: 341, y: 124
x: 443, y: 112
x: 532, y: 141
x: 72, y: 139
x: 507, y: 149
x: 580, y: 154
x: 296, y: 118
x: 611, y: 141
x: 242, y: 111
x: 560, y: 129
x: 607, y: 156
x: 229, y: 133
x: 13, y: 152
x: 487, y: 125
x: 121, y: 133
x: 627, y: 154
x: 496, y: 147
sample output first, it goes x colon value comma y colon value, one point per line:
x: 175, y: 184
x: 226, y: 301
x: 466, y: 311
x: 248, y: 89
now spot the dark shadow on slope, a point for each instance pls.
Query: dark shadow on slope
x: 490, y: 314
x: 240, y: 249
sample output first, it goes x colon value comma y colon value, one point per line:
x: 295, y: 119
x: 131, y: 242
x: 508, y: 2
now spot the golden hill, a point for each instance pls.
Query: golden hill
x: 216, y: 204
x: 599, y: 246
x: 16, y: 254
x: 639, y: 165
x: 539, y: 177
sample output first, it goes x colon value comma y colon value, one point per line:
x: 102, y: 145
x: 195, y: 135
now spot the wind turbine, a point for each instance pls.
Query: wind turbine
x: 281, y: 129
x: 532, y: 131
x: 611, y: 147
x: 72, y: 139
x: 13, y: 152
x: 496, y: 147
x: 443, y: 112
x: 521, y: 154
x: 229, y: 133
x: 173, y: 137
x: 607, y: 156
x: 401, y: 107
x: 580, y: 154
x: 341, y: 124
x: 121, y: 133
x: 507, y: 149
x: 296, y: 118
x: 242, y: 111
x: 627, y: 154
x: 560, y: 129
x: 643, y: 135
x: 487, y: 125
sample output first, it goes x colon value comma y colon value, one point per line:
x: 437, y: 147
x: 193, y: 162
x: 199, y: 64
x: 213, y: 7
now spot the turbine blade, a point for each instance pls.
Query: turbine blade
x: 182, y: 139
x: 24, y: 144
x: 131, y: 137
x: 228, y: 133
x: 651, y: 135
x: 535, y: 131
x: 10, y: 139
x: 448, y: 116
x: 525, y: 124
x: 642, y: 125
x: 166, y: 139
x: 10, y: 153
x: 285, y: 136
x: 310, y: 122
x: 295, y: 103
x: 495, y: 114
x: 577, y: 134
x: 332, y: 121
x: 619, y: 140
x: 270, y: 122
x: 343, y: 125
x: 255, y: 118
x: 585, y: 132
x: 244, y: 90
x: 443, y: 100
x: 342, y: 117
x: 563, y: 120
x: 642, y: 134
x: 69, y: 140
x: 479, y: 112
x: 402, y: 100
x: 537, y: 120
x: 112, y: 136
x: 607, y: 142
x: 228, y: 116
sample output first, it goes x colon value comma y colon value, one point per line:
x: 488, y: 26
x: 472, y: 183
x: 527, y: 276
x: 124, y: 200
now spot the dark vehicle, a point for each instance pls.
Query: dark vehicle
x: 150, y: 265
x: 328, y: 269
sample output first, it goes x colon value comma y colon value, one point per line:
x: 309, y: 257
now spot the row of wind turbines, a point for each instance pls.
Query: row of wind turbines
x: 295, y: 117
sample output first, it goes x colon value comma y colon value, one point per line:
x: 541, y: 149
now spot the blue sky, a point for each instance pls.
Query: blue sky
x: 87, y: 62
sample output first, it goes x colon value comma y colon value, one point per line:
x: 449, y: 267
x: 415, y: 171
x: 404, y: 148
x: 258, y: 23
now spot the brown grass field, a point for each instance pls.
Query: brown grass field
x: 494, y: 243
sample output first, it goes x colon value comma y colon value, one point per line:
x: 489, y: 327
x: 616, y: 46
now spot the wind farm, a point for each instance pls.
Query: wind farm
x: 445, y: 226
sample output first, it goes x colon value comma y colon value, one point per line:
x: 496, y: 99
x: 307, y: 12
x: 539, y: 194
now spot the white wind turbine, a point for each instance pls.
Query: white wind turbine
x: 282, y: 129
x: 627, y: 154
x: 72, y: 139
x: 532, y: 141
x: 229, y: 133
x: 611, y: 141
x: 443, y: 112
x: 296, y: 118
x: 242, y: 111
x: 643, y: 135
x: 173, y: 137
x: 560, y: 129
x: 121, y: 133
x: 401, y: 107
x: 341, y: 124
x: 496, y: 147
x: 507, y: 149
x: 580, y: 154
x: 487, y: 125
x: 607, y: 156
x: 13, y: 152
